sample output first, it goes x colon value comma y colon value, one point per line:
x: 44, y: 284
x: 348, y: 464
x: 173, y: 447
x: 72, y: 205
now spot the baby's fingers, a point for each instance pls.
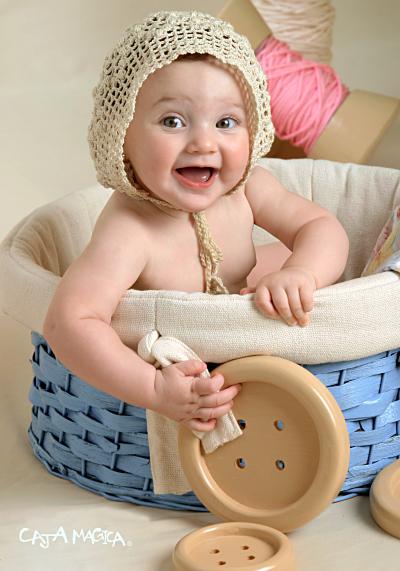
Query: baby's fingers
x: 281, y: 303
x: 207, y: 385
x: 191, y: 367
x: 207, y: 413
x: 296, y: 306
x: 246, y: 290
x: 263, y: 301
x: 219, y: 398
x: 307, y: 298
x: 200, y: 425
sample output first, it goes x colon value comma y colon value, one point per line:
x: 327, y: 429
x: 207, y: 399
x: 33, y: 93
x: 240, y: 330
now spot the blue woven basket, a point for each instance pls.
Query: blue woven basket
x: 100, y: 443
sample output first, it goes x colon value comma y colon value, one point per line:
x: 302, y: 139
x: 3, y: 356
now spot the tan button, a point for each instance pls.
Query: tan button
x: 292, y: 457
x: 239, y: 546
x: 385, y: 499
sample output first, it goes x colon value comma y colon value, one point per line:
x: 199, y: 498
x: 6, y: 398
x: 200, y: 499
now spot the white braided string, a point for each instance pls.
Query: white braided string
x: 305, y: 25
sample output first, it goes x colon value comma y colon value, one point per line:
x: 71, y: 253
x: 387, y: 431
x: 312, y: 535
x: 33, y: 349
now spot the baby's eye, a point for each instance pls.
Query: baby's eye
x: 172, y: 122
x: 226, y: 123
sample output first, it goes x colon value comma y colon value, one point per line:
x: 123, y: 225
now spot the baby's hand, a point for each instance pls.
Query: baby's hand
x: 286, y: 294
x: 194, y: 401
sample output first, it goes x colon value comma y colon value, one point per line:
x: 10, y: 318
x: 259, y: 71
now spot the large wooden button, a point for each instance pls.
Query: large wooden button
x: 292, y: 457
x: 239, y: 546
x: 385, y: 499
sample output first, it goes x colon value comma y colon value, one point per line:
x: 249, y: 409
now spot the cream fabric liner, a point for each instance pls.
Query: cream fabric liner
x: 363, y: 314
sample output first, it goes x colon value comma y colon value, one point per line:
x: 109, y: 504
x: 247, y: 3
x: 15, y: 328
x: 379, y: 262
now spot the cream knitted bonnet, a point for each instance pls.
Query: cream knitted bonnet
x: 159, y: 40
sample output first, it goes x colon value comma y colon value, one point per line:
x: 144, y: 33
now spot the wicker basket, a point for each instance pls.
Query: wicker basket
x: 100, y: 443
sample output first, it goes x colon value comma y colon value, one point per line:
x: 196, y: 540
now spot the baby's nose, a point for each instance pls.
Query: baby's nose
x: 202, y: 140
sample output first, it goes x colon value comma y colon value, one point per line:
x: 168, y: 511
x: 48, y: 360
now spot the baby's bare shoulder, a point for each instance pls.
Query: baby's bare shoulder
x: 120, y: 239
x: 113, y: 259
x: 119, y: 217
x: 261, y: 177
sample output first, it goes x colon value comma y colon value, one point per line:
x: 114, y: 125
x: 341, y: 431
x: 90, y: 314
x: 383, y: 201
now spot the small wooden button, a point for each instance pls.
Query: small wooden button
x: 239, y: 546
x: 292, y: 458
x: 385, y: 499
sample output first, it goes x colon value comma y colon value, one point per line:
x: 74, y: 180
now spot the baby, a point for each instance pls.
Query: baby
x: 181, y: 116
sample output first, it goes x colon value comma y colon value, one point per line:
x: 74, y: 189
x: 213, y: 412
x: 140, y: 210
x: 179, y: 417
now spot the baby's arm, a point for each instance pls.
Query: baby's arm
x: 78, y: 329
x: 318, y: 242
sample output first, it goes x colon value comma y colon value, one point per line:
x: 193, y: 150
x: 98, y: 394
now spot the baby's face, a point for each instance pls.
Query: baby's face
x: 188, y: 142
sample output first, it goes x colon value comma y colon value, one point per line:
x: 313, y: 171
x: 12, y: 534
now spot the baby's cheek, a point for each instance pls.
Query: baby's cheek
x: 240, y: 152
x: 150, y: 160
x: 238, y: 159
x: 162, y: 151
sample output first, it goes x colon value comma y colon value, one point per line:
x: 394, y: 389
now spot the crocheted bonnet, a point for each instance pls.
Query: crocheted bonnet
x: 156, y: 42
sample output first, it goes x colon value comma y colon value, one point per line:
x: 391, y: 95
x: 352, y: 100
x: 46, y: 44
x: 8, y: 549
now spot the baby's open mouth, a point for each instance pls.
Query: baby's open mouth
x: 197, y: 174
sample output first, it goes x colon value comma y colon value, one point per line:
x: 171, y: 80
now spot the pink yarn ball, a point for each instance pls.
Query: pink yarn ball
x: 304, y: 94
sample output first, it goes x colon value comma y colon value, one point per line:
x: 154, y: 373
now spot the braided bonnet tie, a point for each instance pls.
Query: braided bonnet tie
x: 210, y: 255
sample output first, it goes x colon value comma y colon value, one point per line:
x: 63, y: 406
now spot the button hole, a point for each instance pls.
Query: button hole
x: 241, y: 463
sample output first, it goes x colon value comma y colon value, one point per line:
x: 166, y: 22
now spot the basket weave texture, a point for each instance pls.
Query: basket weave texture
x: 100, y: 443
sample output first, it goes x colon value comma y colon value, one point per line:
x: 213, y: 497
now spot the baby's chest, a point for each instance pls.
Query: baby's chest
x: 174, y: 263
